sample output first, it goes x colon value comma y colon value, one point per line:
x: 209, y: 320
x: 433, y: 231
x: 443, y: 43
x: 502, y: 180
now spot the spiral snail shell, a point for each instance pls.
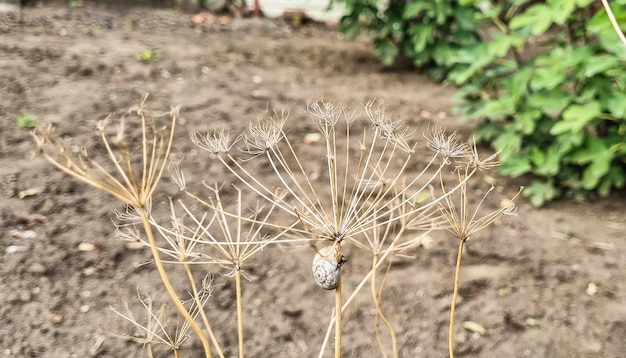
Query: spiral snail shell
x: 326, y: 268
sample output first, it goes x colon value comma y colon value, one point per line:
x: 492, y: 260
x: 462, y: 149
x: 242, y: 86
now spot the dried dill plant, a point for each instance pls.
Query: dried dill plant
x: 463, y: 218
x: 135, y: 174
x: 216, y: 239
x: 366, y: 195
x: 373, y: 193
x: 157, y: 329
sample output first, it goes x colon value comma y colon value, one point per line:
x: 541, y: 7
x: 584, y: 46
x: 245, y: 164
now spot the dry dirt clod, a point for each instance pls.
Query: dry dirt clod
x: 22, y: 234
x: 37, y: 268
x: 292, y: 312
x: 31, y: 219
x: 56, y: 318
x: 12, y: 249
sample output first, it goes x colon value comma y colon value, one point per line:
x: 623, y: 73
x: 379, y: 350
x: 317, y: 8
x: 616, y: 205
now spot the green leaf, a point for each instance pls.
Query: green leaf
x: 599, y: 167
x: 600, y: 64
x: 515, y: 166
x: 413, y: 8
x: 569, y: 140
x: 570, y: 55
x: 517, y: 83
x: 589, y: 93
x: 421, y: 35
x: 538, y: 18
x: 525, y: 121
x: 583, y: 3
x: 497, y: 108
x: 508, y: 143
x: 600, y: 26
x: 549, y: 77
x: 350, y: 26
x: 466, y: 18
x: 386, y: 50
x: 575, y: 117
x: 487, y: 131
x: 541, y: 192
x: 547, y: 163
x: 550, y: 101
x: 561, y: 10
x: 616, y: 104
x: 500, y: 45
x: 616, y: 178
x: 592, y: 148
x: 443, y: 54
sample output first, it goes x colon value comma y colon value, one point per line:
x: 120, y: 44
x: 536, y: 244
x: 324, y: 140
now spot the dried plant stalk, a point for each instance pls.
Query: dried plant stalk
x: 372, y: 193
x: 134, y: 187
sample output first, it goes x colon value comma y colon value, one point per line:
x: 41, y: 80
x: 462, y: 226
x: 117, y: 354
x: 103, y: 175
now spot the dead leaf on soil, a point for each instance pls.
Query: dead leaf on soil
x: 592, y: 289
x: 22, y: 234
x: 88, y: 246
x: 475, y: 327
x: 531, y: 321
x: 311, y: 138
x: 29, y: 192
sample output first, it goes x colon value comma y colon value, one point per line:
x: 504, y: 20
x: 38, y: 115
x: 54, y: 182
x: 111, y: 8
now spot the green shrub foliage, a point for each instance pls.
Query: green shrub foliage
x: 428, y: 32
x: 546, y: 79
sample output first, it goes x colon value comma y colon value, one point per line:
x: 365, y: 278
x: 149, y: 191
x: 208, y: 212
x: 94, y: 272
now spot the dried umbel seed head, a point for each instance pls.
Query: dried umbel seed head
x: 326, y: 268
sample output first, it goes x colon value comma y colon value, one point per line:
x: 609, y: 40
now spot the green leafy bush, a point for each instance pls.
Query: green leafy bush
x: 559, y: 114
x: 426, y: 32
x: 545, y: 78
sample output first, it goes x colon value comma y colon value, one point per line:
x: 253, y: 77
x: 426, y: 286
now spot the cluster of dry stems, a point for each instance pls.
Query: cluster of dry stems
x: 372, y: 192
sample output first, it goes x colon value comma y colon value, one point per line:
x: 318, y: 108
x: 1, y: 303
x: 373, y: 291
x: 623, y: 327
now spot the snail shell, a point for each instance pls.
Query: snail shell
x: 326, y: 268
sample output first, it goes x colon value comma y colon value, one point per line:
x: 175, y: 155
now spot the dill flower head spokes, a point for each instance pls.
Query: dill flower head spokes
x: 216, y: 141
x: 388, y: 128
x: 448, y: 145
x: 222, y: 236
x: 487, y: 163
x: 130, y: 181
x: 464, y: 219
x: 326, y: 115
x: 157, y: 329
x: 264, y: 134
x: 357, y: 181
x: 175, y: 246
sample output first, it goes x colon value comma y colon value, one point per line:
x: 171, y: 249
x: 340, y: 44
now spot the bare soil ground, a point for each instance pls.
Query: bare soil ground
x: 548, y: 282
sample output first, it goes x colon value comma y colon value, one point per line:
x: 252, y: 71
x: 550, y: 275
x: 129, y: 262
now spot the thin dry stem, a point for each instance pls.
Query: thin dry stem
x: 197, y: 299
x: 239, y: 313
x: 455, y: 295
x: 338, y: 318
x: 376, y: 298
x: 463, y: 222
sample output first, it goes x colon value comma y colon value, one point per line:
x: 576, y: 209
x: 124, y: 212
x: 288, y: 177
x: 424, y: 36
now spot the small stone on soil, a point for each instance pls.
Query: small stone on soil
x: 37, y: 268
